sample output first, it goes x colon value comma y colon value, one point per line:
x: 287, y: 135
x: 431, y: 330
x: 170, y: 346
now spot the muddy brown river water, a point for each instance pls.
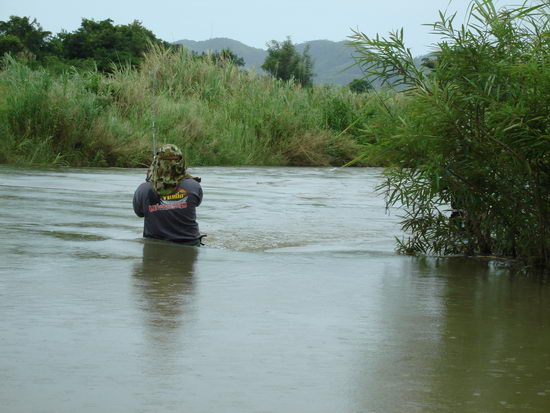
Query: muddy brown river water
x: 296, y: 304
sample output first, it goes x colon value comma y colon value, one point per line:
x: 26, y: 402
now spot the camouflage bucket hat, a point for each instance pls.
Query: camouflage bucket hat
x: 167, y: 170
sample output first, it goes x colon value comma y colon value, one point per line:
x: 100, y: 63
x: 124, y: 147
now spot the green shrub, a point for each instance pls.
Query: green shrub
x: 471, y: 149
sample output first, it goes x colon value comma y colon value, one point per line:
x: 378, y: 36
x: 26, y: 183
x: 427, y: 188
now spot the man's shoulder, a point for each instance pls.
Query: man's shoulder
x: 144, y: 188
x: 190, y: 183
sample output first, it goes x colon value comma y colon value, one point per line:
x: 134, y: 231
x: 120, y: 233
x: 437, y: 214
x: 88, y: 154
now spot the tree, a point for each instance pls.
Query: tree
x: 360, y: 85
x: 224, y: 56
x: 10, y: 44
x: 285, y: 63
x: 107, y: 43
x: 20, y: 34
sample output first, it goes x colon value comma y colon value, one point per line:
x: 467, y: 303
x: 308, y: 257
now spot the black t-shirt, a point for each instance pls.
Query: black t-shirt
x: 172, y: 217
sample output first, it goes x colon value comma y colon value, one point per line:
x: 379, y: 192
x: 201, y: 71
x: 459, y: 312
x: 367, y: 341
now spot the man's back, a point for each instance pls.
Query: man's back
x: 171, y: 217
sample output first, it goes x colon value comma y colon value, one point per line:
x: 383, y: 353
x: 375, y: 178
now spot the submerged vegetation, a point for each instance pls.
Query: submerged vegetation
x: 471, y: 147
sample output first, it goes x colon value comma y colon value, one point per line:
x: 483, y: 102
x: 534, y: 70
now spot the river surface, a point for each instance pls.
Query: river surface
x: 296, y: 304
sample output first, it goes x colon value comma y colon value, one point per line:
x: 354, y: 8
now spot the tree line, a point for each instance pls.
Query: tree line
x: 102, y: 44
x: 95, y: 44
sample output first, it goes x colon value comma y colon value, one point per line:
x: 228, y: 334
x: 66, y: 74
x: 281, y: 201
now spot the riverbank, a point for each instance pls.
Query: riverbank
x: 218, y: 114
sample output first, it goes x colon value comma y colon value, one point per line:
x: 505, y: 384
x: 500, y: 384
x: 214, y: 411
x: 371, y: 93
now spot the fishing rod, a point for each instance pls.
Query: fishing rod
x: 154, y: 113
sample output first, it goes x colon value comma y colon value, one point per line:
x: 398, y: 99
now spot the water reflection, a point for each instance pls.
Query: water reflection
x: 164, y: 285
x: 458, y: 335
x: 492, y: 322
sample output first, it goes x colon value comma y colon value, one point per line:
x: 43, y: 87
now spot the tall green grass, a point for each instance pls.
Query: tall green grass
x: 218, y: 114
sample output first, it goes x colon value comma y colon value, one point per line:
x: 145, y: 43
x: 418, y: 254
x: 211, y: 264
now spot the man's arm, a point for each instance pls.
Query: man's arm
x: 200, y: 195
x: 138, y: 202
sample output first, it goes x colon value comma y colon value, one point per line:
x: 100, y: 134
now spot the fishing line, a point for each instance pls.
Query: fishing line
x: 154, y: 113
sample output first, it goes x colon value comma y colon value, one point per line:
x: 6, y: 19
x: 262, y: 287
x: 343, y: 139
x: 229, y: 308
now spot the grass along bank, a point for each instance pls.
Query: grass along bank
x: 218, y: 114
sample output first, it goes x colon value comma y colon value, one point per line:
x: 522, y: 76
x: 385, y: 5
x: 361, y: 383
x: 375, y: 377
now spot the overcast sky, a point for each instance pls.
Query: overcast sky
x: 253, y: 22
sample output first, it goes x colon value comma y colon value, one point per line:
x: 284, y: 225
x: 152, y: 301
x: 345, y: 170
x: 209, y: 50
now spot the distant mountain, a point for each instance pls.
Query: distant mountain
x: 330, y: 59
x: 252, y: 56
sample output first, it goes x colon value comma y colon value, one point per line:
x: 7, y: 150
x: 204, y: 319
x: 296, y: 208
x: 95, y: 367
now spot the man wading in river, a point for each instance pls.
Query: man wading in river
x: 168, y: 199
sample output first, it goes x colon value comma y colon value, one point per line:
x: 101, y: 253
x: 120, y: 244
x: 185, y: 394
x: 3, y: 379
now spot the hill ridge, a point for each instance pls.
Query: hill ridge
x: 330, y: 58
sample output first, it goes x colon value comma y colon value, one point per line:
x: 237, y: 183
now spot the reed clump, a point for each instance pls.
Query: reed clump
x: 217, y: 113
